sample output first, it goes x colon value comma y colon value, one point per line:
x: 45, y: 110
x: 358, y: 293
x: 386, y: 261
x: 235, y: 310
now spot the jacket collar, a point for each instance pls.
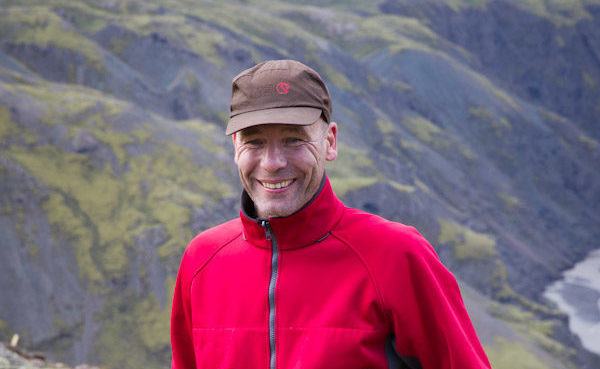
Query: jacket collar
x: 305, y: 227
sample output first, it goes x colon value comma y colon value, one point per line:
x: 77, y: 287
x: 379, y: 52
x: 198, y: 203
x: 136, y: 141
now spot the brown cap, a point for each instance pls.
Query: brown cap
x: 277, y: 91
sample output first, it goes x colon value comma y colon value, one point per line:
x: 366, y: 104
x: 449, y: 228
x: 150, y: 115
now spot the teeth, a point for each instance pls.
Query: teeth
x: 277, y: 185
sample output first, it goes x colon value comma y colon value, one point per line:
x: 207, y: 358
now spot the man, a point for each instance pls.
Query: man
x: 299, y: 280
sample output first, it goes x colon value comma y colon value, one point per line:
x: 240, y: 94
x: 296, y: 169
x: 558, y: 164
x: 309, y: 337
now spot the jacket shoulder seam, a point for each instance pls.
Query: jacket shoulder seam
x: 215, y: 252
x: 380, y: 297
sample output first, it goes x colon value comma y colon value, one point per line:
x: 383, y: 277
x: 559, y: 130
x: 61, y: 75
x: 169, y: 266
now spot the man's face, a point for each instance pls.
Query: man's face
x: 281, y: 165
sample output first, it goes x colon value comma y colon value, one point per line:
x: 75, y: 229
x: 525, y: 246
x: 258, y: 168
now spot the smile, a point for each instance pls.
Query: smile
x: 277, y: 185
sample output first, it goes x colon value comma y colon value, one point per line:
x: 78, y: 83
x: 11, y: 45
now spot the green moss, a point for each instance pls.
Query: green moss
x: 119, y: 45
x: 153, y: 323
x: 143, y: 134
x: 119, y: 344
x: 499, y: 279
x: 512, y: 355
x: 423, y: 187
x: 509, y: 202
x: 457, y: 4
x: 85, y: 17
x: 255, y: 24
x: 66, y: 222
x: 589, y: 142
x: 467, y: 153
x: 422, y: 128
x: 5, y: 331
x: 342, y: 186
x: 560, y: 12
x: 482, y: 116
x: 87, y: 207
x: 529, y: 326
x: 374, y: 83
x: 335, y: 77
x: 7, y: 127
x: 401, y: 187
x: 40, y: 26
x: 394, y: 33
x: 350, y: 163
x: 113, y: 259
x: 428, y: 133
x: 206, y: 135
x: 411, y: 145
x: 175, y: 184
x: 32, y: 250
x: 63, y: 101
x: 489, y: 86
x: 468, y: 244
x: 116, y: 141
x: 385, y: 126
x: 204, y: 43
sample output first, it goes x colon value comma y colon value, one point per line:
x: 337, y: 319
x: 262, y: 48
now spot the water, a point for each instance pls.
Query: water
x: 578, y: 295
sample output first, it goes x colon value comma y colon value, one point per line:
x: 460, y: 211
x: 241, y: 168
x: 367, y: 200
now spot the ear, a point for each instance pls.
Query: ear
x: 234, y: 140
x: 331, y: 138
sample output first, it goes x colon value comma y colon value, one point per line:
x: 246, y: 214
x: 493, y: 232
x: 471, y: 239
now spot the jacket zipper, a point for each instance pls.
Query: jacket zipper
x: 272, y: 283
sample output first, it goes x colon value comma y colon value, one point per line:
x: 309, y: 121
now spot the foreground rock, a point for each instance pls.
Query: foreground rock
x: 15, y: 358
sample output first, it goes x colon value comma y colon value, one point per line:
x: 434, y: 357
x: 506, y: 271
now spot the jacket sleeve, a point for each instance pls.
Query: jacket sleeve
x: 181, y: 323
x: 428, y: 315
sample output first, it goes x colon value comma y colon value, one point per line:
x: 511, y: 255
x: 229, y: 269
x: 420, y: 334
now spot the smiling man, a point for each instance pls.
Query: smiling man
x: 299, y: 280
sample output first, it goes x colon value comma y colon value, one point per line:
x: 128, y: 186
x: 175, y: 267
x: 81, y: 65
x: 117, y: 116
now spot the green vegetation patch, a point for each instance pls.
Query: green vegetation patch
x: 483, y: 116
x: 528, y: 325
x: 385, y: 127
x: 396, y: 33
x: 351, y: 170
x: 560, y: 12
x: 7, y: 126
x: 41, y: 27
x: 468, y: 244
x: 259, y: 25
x: 134, y: 333
x: 100, y: 208
x: 498, y: 93
x: 423, y: 129
x: 342, y: 186
x: 504, y: 354
x: 510, y: 202
x: 433, y: 136
x: 5, y: 330
x: 85, y: 17
x: 589, y: 142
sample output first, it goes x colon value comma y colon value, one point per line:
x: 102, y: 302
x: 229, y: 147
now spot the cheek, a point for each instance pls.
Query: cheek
x: 310, y: 161
x: 244, y: 162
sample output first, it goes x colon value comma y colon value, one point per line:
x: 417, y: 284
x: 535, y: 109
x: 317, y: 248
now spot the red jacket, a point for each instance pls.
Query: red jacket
x: 327, y: 287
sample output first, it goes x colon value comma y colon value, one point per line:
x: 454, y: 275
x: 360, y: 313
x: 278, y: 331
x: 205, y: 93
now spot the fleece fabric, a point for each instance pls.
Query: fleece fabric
x: 327, y: 287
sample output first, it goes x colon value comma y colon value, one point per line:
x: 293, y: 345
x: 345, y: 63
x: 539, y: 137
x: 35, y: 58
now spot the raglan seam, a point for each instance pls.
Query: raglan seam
x: 380, y: 297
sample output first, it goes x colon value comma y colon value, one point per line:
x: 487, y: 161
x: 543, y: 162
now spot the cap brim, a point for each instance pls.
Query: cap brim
x: 302, y: 116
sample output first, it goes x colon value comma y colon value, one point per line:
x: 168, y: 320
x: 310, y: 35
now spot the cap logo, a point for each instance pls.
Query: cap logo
x: 282, y: 88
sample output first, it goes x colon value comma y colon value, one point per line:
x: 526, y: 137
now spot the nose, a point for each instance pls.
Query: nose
x: 273, y: 157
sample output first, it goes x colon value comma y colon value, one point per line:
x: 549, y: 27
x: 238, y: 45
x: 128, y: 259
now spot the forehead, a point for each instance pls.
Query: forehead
x: 274, y: 129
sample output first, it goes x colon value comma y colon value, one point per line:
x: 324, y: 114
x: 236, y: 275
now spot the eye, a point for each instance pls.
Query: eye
x: 292, y: 141
x: 254, y: 143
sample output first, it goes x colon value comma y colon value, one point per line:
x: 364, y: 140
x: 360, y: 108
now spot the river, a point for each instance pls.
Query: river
x: 578, y: 295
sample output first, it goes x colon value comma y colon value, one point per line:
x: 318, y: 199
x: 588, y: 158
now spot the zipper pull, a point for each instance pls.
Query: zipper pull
x: 267, y: 226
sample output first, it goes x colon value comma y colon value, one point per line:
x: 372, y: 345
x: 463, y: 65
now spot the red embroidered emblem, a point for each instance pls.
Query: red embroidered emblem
x: 282, y: 88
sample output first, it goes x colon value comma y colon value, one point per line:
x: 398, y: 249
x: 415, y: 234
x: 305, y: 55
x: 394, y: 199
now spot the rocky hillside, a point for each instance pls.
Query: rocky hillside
x: 474, y: 120
x: 15, y: 358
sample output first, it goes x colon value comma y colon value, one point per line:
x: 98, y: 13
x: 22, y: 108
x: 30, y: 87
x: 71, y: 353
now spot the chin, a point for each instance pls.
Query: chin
x: 274, y: 212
